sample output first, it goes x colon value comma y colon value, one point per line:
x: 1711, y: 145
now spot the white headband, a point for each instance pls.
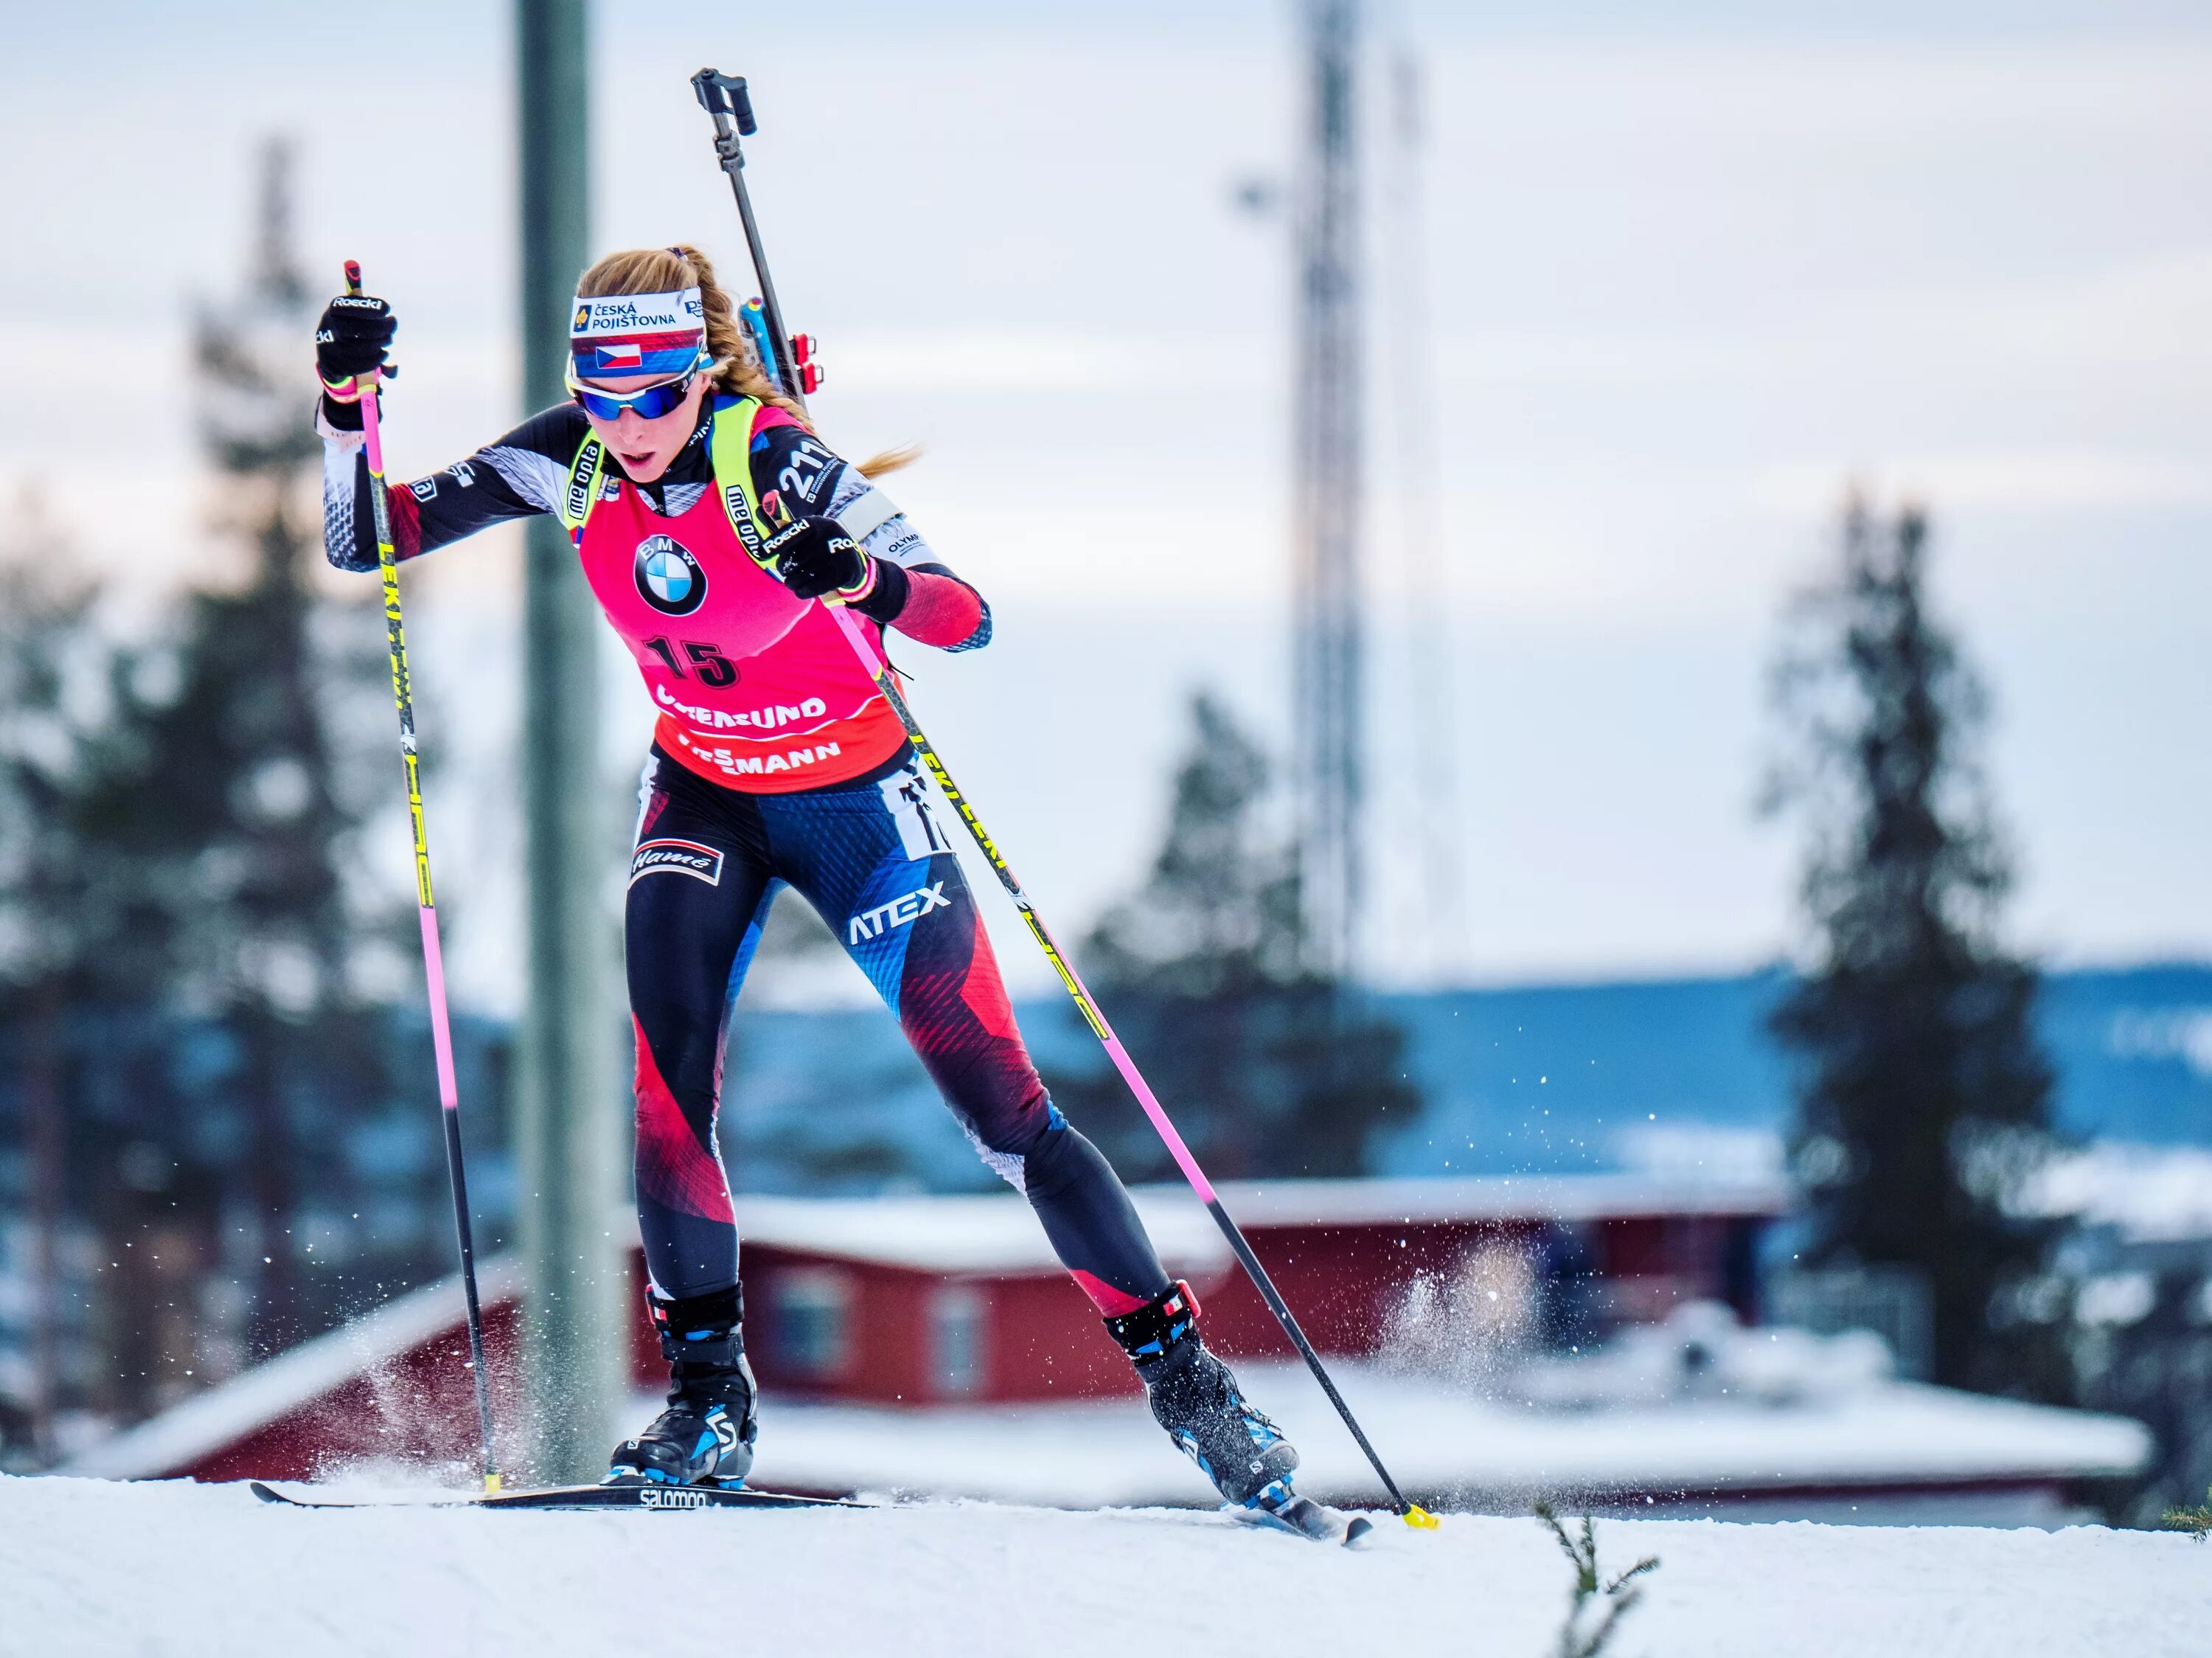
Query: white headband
x: 637, y: 333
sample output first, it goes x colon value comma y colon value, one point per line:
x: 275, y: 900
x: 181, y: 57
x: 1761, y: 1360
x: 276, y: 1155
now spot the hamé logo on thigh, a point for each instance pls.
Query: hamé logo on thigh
x: 683, y: 857
x: 669, y: 578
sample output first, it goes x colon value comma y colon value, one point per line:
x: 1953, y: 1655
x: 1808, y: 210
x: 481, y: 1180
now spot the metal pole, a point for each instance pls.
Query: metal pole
x: 569, y: 1117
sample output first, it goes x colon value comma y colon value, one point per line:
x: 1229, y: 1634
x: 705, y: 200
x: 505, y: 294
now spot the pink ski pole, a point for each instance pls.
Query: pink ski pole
x: 433, y: 967
x: 726, y: 99
x: 880, y: 671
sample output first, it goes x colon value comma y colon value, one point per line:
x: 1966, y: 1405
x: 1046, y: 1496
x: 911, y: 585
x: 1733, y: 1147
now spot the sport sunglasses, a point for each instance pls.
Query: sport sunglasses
x: 648, y: 402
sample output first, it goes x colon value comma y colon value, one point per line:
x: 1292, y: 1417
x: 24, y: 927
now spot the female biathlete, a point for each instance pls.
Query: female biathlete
x: 776, y: 761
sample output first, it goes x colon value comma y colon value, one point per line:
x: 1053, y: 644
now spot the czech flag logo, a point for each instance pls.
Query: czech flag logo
x: 619, y: 358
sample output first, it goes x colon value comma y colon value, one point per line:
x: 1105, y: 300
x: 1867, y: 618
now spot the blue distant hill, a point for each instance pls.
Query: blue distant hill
x: 1543, y: 1078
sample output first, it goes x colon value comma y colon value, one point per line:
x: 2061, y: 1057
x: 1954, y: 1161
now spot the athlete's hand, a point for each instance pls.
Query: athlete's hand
x: 814, y: 556
x: 350, y: 340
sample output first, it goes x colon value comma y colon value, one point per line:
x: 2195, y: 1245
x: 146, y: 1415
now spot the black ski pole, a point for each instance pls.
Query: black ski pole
x: 433, y: 967
x: 725, y: 98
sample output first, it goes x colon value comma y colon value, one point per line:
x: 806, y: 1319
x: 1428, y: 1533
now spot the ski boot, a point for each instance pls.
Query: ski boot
x: 705, y: 1436
x: 1196, y: 1399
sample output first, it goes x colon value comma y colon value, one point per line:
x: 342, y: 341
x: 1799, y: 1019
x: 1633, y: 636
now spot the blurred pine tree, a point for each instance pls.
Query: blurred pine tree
x: 1924, y: 1102
x: 199, y: 957
x: 263, y: 754
x: 1266, y: 1068
x: 52, y: 672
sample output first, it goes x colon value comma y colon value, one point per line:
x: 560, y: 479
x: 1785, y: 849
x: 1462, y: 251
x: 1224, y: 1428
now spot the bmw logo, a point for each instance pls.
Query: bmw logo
x: 668, y: 577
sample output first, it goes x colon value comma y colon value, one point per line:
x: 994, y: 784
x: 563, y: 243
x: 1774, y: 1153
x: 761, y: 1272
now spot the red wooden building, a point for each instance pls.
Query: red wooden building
x: 944, y: 1302
x: 960, y: 1300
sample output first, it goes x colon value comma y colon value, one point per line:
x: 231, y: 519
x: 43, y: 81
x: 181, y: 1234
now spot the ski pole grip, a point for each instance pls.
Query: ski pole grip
x: 353, y: 276
x: 725, y: 95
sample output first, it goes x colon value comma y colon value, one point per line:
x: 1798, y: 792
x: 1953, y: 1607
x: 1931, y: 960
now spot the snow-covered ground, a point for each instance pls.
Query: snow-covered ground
x: 89, y: 1567
x: 1880, y: 1436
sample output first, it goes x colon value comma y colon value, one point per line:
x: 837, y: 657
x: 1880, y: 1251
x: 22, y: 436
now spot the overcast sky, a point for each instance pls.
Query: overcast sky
x: 1684, y: 282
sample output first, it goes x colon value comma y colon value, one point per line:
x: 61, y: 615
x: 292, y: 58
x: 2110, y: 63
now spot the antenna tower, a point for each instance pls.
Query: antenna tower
x: 1327, y: 620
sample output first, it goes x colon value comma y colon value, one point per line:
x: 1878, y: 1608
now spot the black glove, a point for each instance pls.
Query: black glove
x: 351, y: 339
x: 814, y: 556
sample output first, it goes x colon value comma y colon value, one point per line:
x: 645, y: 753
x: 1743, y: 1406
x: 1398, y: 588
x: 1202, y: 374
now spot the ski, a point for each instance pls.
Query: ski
x: 1314, y: 1521
x: 1301, y: 1516
x: 574, y: 1498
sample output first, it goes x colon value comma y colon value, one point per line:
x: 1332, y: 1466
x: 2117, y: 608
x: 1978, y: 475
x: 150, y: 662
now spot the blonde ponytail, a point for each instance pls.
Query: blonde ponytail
x: 738, y: 372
